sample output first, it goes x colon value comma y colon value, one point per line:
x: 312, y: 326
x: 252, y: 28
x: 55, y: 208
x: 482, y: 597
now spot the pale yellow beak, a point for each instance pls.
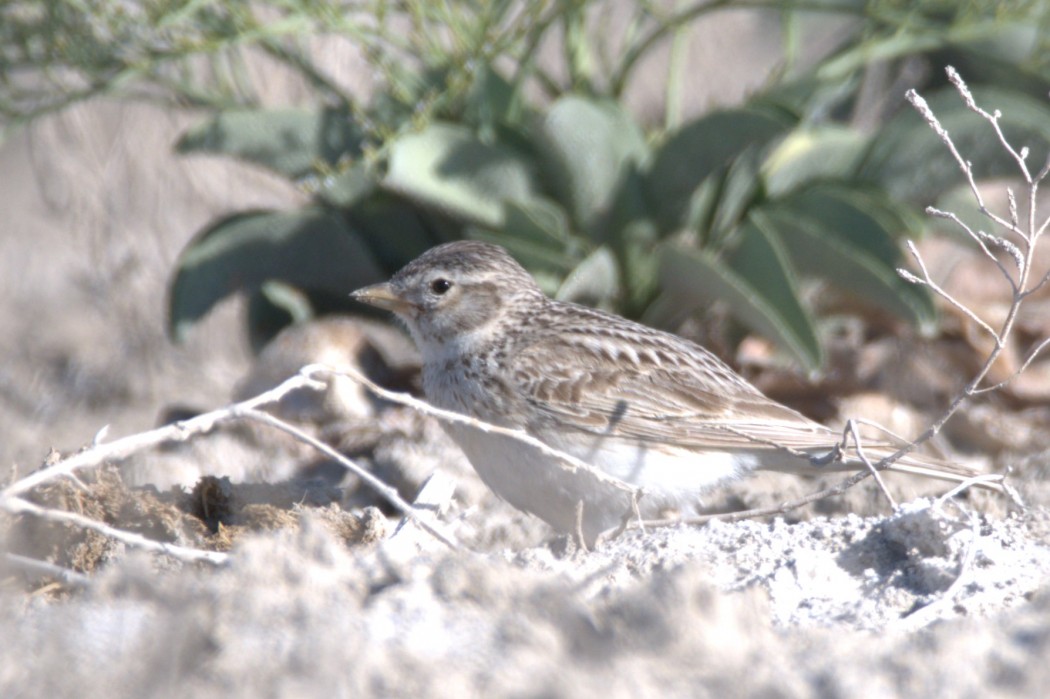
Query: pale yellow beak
x: 381, y: 296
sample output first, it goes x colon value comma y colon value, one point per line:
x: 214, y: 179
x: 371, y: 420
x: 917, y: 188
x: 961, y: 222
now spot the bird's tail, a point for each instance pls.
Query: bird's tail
x: 843, y: 460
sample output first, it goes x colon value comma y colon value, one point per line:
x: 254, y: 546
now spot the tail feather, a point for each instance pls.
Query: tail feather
x: 911, y: 464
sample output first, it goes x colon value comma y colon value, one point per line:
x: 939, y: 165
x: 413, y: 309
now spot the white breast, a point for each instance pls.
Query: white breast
x: 672, y: 479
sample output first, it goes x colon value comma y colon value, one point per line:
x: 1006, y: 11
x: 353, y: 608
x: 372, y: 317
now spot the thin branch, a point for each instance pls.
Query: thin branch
x: 17, y: 505
x: 1031, y: 358
x: 851, y: 430
x: 121, y: 448
x: 882, y: 428
x: 1037, y: 287
x: 567, y: 461
x: 982, y: 479
x: 993, y: 118
x: 1025, y: 264
x: 388, y: 492
x: 979, y: 237
x: 780, y: 509
x: 937, y: 289
x: 967, y: 169
x: 32, y: 565
x: 176, y: 432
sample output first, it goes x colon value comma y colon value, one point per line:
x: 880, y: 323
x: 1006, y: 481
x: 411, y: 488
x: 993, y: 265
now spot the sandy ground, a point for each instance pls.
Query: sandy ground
x: 318, y: 595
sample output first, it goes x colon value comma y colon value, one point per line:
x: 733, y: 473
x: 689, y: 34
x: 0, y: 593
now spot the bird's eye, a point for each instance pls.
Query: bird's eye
x: 440, y: 286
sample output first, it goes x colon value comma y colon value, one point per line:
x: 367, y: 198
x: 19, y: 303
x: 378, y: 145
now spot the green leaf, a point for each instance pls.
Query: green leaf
x: 761, y: 261
x: 629, y: 229
x: 595, y: 281
x: 271, y: 308
x: 491, y: 102
x: 537, y: 234
x: 861, y: 216
x: 288, y: 141
x: 702, y: 148
x: 311, y: 249
x: 445, y: 167
x: 635, y: 244
x: 586, y: 147
x: 829, y: 238
x: 911, y: 162
x: 698, y: 277
x: 1011, y: 59
x: 739, y: 188
x: 812, y: 97
x: 345, y: 188
x: 813, y: 154
x: 393, y: 230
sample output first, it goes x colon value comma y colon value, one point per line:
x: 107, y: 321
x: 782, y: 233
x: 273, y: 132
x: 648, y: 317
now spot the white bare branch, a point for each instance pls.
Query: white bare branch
x: 17, y: 505
x: 937, y: 289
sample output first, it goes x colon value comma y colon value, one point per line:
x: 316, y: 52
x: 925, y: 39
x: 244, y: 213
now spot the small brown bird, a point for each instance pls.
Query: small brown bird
x: 644, y: 406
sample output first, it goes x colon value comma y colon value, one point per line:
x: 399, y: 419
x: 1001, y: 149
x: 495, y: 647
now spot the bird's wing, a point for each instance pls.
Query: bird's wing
x: 628, y: 381
x: 620, y: 379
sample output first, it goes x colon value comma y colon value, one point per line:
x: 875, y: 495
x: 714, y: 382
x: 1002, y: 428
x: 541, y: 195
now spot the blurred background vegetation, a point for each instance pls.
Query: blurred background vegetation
x: 506, y: 121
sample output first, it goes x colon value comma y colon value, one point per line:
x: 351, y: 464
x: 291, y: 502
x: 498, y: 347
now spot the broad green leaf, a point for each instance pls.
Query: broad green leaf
x: 632, y: 234
x: 346, y: 187
x: 394, y: 232
x: 492, y: 101
x: 818, y: 248
x: 813, y: 154
x: 635, y: 247
x: 629, y: 205
x: 761, y: 261
x: 861, y: 216
x: 595, y: 281
x: 1011, y: 59
x: 702, y: 148
x: 739, y: 188
x: 271, y: 308
x: 537, y: 234
x: 811, y: 97
x: 445, y: 167
x: 311, y: 249
x: 1013, y: 43
x: 911, y: 162
x: 288, y: 141
x: 909, y: 42
x: 540, y: 220
x: 696, y: 277
x: 586, y: 147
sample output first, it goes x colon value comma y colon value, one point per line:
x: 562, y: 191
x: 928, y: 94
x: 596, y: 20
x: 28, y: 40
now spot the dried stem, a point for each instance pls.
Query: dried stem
x: 389, y: 493
x: 851, y: 433
x: 16, y: 505
x: 32, y: 565
x: 1028, y: 234
x: 567, y: 460
x: 100, y: 452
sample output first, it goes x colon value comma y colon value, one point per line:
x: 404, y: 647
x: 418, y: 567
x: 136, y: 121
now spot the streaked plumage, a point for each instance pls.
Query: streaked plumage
x: 645, y: 406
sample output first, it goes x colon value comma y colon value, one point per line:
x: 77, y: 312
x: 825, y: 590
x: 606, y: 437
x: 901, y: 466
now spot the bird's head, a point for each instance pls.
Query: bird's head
x: 457, y: 292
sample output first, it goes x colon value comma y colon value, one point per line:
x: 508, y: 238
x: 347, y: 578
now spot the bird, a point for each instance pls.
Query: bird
x: 649, y: 412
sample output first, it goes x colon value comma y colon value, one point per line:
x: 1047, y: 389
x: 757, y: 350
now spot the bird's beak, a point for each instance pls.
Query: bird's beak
x: 381, y: 296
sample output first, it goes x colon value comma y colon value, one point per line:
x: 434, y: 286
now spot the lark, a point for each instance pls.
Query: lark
x: 646, y: 407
